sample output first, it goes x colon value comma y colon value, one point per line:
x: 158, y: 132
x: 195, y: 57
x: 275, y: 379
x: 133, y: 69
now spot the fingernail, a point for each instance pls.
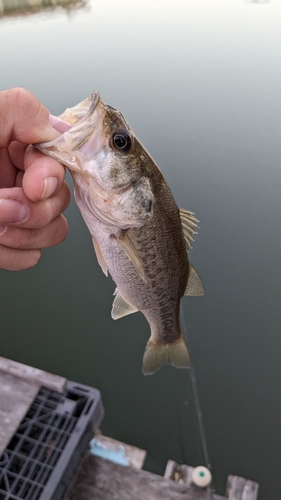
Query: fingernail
x: 2, y: 229
x: 58, y: 124
x: 12, y: 211
x: 50, y: 186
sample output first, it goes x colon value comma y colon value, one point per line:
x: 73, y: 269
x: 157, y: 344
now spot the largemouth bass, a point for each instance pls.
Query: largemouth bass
x: 139, y: 234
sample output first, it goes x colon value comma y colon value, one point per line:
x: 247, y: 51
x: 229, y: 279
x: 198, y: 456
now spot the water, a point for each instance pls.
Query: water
x: 199, y: 83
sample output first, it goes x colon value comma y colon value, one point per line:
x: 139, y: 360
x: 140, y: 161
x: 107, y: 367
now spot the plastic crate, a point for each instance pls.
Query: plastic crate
x: 43, y: 454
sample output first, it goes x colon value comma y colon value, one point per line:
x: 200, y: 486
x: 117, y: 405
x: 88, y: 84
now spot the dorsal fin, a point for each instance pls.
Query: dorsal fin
x: 194, y: 284
x: 121, y: 306
x: 189, y: 226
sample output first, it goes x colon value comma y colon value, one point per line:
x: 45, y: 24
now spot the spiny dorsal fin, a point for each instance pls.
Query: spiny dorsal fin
x: 131, y: 252
x: 100, y: 257
x: 121, y: 307
x: 156, y: 355
x: 189, y: 226
x: 194, y: 284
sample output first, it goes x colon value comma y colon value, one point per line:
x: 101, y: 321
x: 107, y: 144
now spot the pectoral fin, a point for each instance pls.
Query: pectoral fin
x: 194, y: 284
x: 132, y: 254
x: 189, y: 226
x: 100, y: 257
x: 121, y: 307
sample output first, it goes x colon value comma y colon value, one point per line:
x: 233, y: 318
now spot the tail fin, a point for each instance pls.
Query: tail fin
x: 156, y: 355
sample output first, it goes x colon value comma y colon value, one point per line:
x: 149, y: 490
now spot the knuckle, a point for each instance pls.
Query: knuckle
x: 62, y: 230
x: 44, y: 212
x: 67, y: 195
x: 45, y: 218
x: 28, y: 259
x: 35, y: 257
x: 57, y: 232
x: 23, y: 238
x: 26, y: 101
x: 17, y: 94
x: 55, y: 205
x: 17, y: 238
x: 17, y: 260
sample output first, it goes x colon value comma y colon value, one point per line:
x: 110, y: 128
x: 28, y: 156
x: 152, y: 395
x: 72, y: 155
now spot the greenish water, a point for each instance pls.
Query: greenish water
x: 199, y: 82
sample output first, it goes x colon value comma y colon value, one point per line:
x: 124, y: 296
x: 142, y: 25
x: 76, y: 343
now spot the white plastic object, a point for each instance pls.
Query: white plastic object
x: 201, y: 476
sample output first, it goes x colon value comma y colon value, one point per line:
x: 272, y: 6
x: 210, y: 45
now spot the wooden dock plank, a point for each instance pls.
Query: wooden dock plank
x: 42, y: 378
x: 16, y: 396
x: 19, y: 385
x: 239, y: 488
x: 100, y: 479
x: 179, y: 473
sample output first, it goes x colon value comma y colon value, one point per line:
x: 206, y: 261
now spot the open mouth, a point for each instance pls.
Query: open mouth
x: 77, y: 123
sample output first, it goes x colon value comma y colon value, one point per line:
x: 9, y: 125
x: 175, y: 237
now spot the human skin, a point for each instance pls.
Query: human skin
x: 33, y: 193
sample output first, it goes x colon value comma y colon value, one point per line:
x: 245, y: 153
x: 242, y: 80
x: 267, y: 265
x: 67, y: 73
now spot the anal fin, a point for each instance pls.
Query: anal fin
x: 121, y: 307
x: 194, y: 284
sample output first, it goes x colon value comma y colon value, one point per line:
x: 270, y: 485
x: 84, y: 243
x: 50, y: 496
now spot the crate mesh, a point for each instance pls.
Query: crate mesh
x: 34, y: 450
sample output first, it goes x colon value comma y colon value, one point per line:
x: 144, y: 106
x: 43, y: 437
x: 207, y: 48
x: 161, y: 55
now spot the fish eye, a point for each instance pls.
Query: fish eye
x: 121, y: 141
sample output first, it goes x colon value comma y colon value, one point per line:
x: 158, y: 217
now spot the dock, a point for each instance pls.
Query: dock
x: 97, y: 474
x: 102, y: 479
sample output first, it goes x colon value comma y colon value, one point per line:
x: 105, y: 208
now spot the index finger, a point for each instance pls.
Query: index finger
x: 23, y: 118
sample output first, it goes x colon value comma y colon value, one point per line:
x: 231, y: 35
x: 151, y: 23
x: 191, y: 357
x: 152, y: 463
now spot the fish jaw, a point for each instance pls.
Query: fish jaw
x: 83, y: 120
x: 113, y: 188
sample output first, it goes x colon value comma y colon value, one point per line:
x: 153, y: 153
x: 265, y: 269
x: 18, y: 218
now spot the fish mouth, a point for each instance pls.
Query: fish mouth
x: 94, y: 100
x: 95, y: 96
x: 83, y: 111
x: 76, y: 124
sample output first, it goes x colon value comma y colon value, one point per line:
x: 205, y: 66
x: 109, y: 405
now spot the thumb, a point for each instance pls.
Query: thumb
x: 23, y: 118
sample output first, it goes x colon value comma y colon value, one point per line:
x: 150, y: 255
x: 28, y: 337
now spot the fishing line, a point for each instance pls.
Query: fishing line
x: 196, y: 399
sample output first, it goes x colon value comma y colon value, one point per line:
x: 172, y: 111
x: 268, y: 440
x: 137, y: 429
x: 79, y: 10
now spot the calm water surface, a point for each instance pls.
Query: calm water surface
x: 199, y: 82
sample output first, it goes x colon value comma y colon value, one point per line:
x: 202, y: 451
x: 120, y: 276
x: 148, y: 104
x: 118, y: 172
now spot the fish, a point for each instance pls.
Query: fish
x: 140, y: 236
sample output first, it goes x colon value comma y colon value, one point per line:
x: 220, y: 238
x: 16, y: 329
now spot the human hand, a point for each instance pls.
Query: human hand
x: 32, y: 189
